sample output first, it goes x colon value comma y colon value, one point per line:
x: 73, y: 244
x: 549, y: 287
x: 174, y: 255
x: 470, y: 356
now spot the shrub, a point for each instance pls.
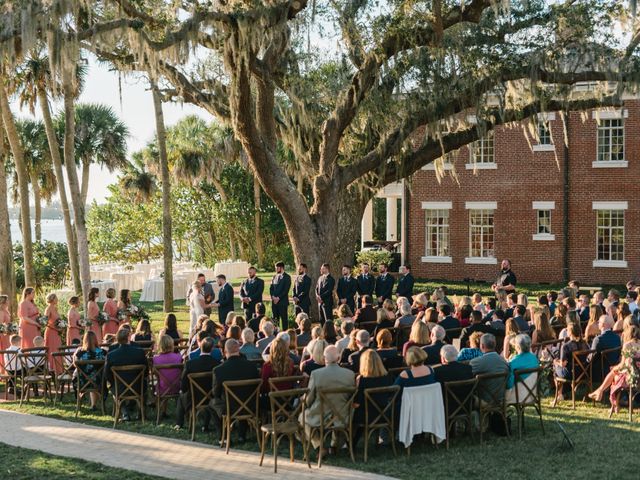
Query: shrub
x: 374, y: 258
x: 51, y: 263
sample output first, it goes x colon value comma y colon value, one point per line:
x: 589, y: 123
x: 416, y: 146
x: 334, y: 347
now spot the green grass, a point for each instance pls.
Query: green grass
x: 602, y: 446
x: 24, y: 464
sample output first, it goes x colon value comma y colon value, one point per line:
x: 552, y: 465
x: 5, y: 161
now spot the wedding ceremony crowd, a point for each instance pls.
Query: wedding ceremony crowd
x: 376, y: 360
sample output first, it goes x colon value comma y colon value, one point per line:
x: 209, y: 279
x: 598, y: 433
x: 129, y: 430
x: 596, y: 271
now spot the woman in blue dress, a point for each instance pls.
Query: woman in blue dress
x: 90, y: 350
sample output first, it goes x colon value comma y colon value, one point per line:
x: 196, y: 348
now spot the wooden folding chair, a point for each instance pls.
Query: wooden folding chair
x: 380, y: 414
x: 239, y: 409
x: 296, y: 381
x: 180, y: 342
x: 550, y: 346
x: 172, y: 389
x: 9, y: 377
x: 63, y: 362
x: 394, y: 372
x: 89, y: 382
x: 531, y: 397
x: 608, y: 359
x: 200, y: 385
x: 335, y: 419
x: 581, y: 374
x: 458, y: 404
x: 402, y: 336
x: 34, y: 367
x: 69, y: 348
x: 286, y: 407
x: 451, y: 333
x: 492, y: 398
x: 124, y: 390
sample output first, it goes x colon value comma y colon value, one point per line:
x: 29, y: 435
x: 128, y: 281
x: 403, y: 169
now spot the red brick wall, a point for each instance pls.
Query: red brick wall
x: 524, y: 176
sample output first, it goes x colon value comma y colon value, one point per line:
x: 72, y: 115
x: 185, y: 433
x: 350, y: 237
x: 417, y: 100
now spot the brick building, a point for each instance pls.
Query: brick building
x: 557, y: 211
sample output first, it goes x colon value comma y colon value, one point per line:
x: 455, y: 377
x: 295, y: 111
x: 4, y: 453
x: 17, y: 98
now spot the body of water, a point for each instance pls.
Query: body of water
x: 52, y: 230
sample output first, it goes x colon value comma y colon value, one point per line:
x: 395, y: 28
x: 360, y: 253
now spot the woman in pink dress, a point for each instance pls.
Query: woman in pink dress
x: 110, y: 307
x: 5, y: 317
x: 28, y: 314
x: 74, y: 331
x: 52, y: 333
x: 124, y: 303
x: 93, y: 310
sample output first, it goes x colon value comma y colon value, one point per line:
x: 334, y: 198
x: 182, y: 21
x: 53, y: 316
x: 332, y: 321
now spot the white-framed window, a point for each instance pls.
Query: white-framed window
x: 482, y: 153
x: 543, y: 220
x: 610, y: 234
x: 544, y: 133
x: 481, y: 232
x: 610, y: 138
x: 437, y: 239
x: 545, y: 140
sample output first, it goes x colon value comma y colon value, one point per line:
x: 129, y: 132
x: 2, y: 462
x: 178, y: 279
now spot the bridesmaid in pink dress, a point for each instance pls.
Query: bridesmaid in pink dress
x: 93, y: 310
x: 5, y: 317
x: 52, y: 333
x: 124, y: 303
x: 73, y: 316
x: 28, y: 314
x: 110, y: 307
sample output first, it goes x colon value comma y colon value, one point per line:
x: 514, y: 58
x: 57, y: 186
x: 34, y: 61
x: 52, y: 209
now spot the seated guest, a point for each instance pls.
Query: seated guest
x: 317, y: 358
x: 490, y: 307
x: 477, y: 325
x: 490, y: 363
x: 329, y: 332
x: 215, y: 353
x: 293, y: 346
x: 497, y: 321
x: 623, y: 313
x: 473, y: 350
x: 447, y: 321
x: 572, y: 317
x: 248, y: 349
x: 235, y: 332
x: 583, y: 308
x: 451, y: 370
x: 345, y: 315
x: 464, y: 315
x: 437, y: 342
x: 239, y: 321
x: 510, y: 332
x: 254, y: 322
x: 523, y: 360
x: 124, y: 355
x: 304, y: 325
x: 316, y: 334
x: 279, y: 364
x: 382, y: 321
x: 632, y: 300
x: 330, y: 376
x: 390, y: 309
x: 90, y: 350
x: 351, y: 347
x: 171, y: 327
x: 372, y: 374
x: 204, y: 363
x: 11, y: 362
x: 115, y: 345
x: 429, y: 317
x: 418, y: 373
x: 143, y: 332
x: 520, y: 311
x: 542, y: 331
x: 346, y: 329
x: 477, y: 302
x: 268, y: 330
x: 420, y: 303
x: 365, y: 314
x: 559, y: 318
x: 563, y: 366
x: 592, y: 329
x: 384, y: 348
x: 419, y: 336
x: 168, y: 379
x: 362, y: 341
x: 605, y: 341
x: 406, y: 318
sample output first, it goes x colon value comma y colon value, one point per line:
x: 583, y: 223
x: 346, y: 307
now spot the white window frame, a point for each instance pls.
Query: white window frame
x: 474, y: 206
x: 437, y: 206
x: 473, y: 164
x: 543, y: 206
x: 600, y: 115
x: 608, y: 206
x: 446, y: 165
x: 543, y: 118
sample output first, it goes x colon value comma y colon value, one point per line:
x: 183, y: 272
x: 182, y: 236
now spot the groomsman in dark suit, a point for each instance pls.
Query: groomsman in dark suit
x: 365, y: 283
x: 251, y: 292
x: 301, y: 289
x: 405, y: 284
x: 324, y: 294
x: 224, y: 304
x: 384, y: 284
x: 279, y: 291
x: 347, y: 288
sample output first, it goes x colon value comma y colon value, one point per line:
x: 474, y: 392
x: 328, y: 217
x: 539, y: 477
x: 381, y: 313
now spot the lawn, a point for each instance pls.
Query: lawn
x: 536, y: 456
x: 24, y: 464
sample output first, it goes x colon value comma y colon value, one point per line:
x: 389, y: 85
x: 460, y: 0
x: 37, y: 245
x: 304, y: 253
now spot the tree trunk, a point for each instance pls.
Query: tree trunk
x: 224, y: 198
x: 86, y: 166
x: 23, y: 186
x: 351, y: 205
x: 54, y: 148
x: 166, y: 200
x: 74, y: 187
x: 257, y: 220
x: 7, y: 272
x: 37, y: 201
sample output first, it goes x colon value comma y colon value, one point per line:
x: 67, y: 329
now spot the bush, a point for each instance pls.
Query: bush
x: 51, y: 263
x: 374, y: 258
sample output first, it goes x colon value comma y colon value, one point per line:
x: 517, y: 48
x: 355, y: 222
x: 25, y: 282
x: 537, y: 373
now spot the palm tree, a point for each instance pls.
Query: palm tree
x: 101, y: 138
x: 36, y: 84
x: 7, y: 272
x: 23, y: 182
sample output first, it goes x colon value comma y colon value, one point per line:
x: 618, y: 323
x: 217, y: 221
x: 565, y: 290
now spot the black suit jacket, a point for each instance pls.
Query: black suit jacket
x: 225, y: 302
x: 324, y: 289
x: 365, y: 285
x: 234, y: 368
x: 365, y: 314
x: 354, y: 359
x: 280, y: 288
x: 122, y: 356
x: 433, y: 352
x: 204, y: 363
x: 449, y: 322
x: 301, y: 289
x: 384, y: 287
x: 453, y: 372
x: 253, y: 291
x: 347, y: 290
x: 468, y: 331
x: 405, y: 286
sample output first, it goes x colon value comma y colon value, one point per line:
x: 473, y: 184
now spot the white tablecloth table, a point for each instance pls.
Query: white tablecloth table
x: 153, y: 290
x: 422, y: 410
x: 192, y: 274
x: 101, y: 273
x: 231, y: 270
x: 129, y: 280
x: 103, y: 286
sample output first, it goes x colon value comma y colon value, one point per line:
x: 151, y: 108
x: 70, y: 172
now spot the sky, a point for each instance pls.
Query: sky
x: 133, y: 104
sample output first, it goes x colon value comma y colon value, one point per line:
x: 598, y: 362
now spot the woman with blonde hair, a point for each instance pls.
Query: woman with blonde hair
x: 383, y: 321
x: 477, y: 303
x: 501, y: 299
x: 28, y: 314
x: 420, y: 303
x: 429, y: 316
x: 623, y: 313
x: 542, y: 331
x: 278, y: 365
x: 52, y: 333
x: 592, y: 329
x: 389, y: 308
x: 343, y: 313
x: 419, y: 336
x: 110, y: 307
x: 317, y: 358
x: 418, y: 374
x: 510, y: 332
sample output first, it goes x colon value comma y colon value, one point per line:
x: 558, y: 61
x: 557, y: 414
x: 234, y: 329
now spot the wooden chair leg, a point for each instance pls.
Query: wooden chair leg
x: 262, y: 449
x: 274, y: 443
x: 228, y: 434
x: 291, y: 446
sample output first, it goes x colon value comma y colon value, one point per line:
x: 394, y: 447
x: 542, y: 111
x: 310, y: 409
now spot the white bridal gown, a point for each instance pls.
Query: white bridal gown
x: 195, y: 310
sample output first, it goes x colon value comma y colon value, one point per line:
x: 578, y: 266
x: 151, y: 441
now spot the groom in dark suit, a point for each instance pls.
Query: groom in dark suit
x: 251, y: 292
x: 365, y: 283
x: 384, y: 284
x: 347, y: 288
x: 279, y: 291
x: 224, y: 304
x: 301, y: 289
x: 324, y: 294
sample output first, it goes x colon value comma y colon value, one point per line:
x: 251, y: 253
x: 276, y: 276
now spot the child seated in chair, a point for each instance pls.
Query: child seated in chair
x: 11, y: 362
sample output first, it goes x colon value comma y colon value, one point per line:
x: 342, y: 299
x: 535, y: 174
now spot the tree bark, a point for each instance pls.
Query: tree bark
x: 54, y: 148
x: 257, y: 219
x: 166, y: 200
x: 37, y: 209
x: 86, y: 166
x: 23, y: 186
x: 224, y: 198
x: 7, y: 271
x: 74, y: 187
x: 351, y: 205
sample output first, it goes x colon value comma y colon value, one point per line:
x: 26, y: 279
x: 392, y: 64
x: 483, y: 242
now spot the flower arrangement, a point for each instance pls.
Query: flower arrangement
x: 62, y: 323
x: 85, y: 322
x: 9, y: 328
x: 138, y: 313
x: 631, y: 366
x: 103, y: 318
x: 122, y: 315
x: 42, y: 321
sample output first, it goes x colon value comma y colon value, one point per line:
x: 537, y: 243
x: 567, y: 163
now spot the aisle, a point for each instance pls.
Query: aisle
x: 165, y: 457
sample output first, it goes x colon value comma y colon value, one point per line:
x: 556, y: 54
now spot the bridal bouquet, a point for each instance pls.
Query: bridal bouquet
x: 9, y: 328
x: 62, y: 323
x: 42, y: 321
x: 138, y: 313
x: 122, y: 315
x: 103, y: 318
x: 85, y: 322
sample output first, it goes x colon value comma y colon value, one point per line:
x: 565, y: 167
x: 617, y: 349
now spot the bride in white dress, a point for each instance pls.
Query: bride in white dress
x: 196, y: 306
